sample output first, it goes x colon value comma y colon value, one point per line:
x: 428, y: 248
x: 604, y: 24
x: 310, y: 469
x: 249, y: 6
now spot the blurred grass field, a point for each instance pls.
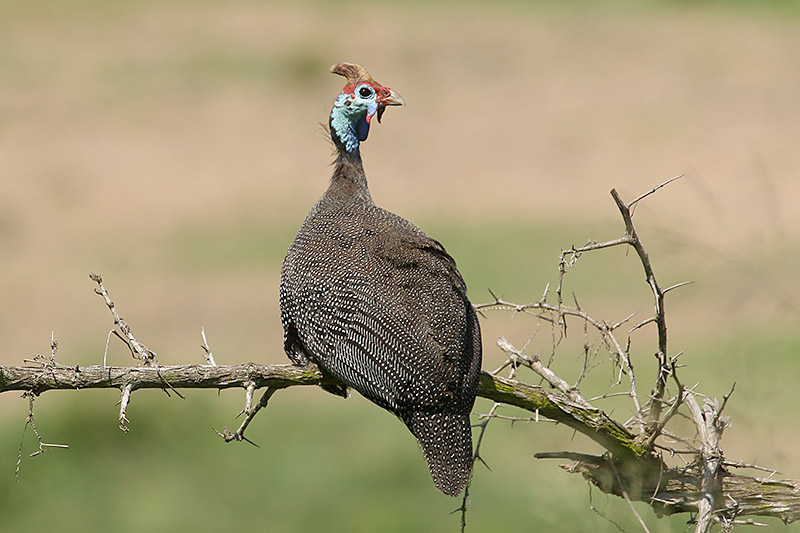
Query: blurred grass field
x: 174, y: 147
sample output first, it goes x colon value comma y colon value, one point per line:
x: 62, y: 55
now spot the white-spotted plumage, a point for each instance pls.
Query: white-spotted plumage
x: 381, y: 307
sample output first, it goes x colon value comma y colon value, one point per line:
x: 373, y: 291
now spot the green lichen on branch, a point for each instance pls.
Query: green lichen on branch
x: 630, y: 467
x: 593, y: 423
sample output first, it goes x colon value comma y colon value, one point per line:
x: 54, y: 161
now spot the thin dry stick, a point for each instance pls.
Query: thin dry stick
x: 605, y: 330
x: 123, y: 406
x: 658, y: 294
x: 249, y: 413
x: 465, y: 502
x: 138, y: 350
x: 653, y: 190
x: 512, y: 363
x: 29, y: 422
x: 534, y: 364
x: 207, y: 349
x: 628, y: 500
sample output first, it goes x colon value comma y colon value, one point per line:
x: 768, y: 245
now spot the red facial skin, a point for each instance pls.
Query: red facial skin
x: 385, y: 97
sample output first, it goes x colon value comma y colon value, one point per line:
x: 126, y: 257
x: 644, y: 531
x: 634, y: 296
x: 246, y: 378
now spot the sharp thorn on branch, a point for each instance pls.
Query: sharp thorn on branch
x: 676, y: 286
x: 653, y: 190
x: 207, y: 349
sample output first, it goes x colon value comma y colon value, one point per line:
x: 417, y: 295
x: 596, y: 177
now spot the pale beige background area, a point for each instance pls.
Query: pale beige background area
x: 175, y: 148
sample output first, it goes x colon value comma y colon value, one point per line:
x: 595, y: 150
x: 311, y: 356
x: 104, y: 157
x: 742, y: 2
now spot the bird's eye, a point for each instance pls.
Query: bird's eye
x: 365, y: 92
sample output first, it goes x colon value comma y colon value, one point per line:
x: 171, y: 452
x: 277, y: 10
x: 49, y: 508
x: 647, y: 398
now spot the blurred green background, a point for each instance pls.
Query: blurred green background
x: 174, y: 147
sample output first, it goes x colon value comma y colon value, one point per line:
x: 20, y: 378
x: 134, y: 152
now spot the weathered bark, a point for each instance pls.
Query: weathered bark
x: 41, y: 379
x: 629, y: 467
x: 679, y: 490
x: 592, y: 422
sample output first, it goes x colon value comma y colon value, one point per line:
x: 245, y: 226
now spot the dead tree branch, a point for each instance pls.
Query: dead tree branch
x: 631, y: 463
x: 588, y: 420
x: 41, y: 379
x: 637, y: 471
x: 630, y: 467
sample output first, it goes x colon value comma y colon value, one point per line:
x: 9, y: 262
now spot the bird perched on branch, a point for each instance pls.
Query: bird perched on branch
x: 380, y: 306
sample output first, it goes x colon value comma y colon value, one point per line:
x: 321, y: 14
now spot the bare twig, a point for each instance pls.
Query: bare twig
x: 249, y: 412
x: 476, y: 457
x: 653, y: 190
x: 740, y: 464
x: 605, y: 330
x: 29, y: 422
x: 628, y: 500
x: 123, y: 406
x: 207, y: 349
x: 138, y: 350
x: 534, y: 364
x: 658, y: 294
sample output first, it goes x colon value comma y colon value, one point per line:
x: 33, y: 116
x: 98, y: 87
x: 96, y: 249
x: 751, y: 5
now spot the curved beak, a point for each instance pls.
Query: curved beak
x: 389, y: 98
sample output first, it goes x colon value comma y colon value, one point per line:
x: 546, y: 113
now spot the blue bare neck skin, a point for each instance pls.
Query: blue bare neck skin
x: 349, y: 126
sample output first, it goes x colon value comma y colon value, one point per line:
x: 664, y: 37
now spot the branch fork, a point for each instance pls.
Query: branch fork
x: 632, y: 465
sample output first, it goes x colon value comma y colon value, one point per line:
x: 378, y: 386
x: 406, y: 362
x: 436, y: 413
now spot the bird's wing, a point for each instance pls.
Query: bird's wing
x: 389, y: 317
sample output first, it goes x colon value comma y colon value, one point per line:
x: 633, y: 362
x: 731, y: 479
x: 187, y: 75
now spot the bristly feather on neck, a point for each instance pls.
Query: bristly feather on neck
x: 348, y: 167
x: 348, y: 128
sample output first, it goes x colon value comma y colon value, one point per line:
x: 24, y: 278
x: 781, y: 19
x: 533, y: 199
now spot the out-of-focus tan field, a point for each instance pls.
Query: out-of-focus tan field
x: 175, y: 147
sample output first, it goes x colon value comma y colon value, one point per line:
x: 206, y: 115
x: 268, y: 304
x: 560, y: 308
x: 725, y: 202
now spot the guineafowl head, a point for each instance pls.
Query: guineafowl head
x: 361, y: 99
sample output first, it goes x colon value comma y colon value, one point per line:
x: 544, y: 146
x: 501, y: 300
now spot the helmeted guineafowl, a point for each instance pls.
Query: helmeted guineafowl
x: 379, y: 305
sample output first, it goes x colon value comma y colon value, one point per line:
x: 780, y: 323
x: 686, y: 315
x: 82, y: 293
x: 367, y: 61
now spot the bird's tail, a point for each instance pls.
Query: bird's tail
x: 446, y: 440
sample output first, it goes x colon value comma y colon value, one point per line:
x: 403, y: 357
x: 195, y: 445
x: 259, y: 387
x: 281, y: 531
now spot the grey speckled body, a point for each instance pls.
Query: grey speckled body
x: 380, y: 306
